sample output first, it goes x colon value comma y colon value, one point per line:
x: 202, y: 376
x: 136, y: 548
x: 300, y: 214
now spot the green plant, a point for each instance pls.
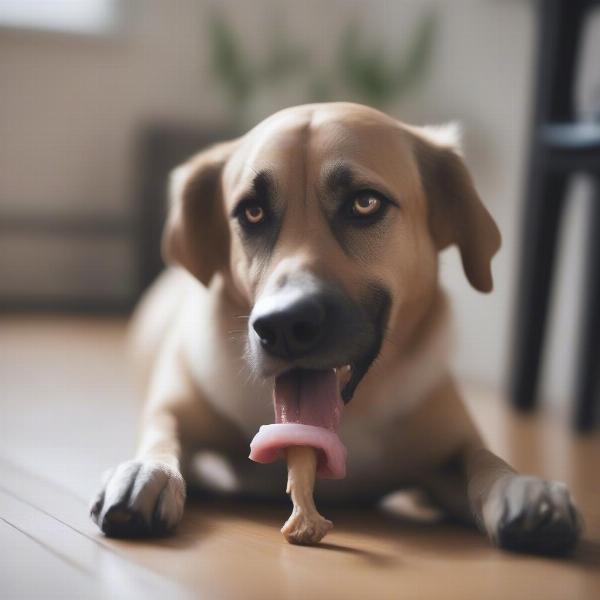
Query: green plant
x: 238, y: 75
x: 376, y: 78
x: 364, y: 71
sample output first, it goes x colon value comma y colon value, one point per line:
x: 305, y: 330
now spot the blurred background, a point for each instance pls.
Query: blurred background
x: 100, y: 98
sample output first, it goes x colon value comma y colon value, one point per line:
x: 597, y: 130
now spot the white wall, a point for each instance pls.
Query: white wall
x: 69, y: 108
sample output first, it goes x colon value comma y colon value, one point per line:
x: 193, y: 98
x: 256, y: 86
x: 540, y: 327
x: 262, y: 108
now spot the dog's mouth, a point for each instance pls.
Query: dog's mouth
x: 310, y: 396
x: 308, y: 408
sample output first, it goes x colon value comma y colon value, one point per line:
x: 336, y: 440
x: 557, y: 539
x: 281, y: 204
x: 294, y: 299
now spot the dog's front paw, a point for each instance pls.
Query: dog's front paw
x: 529, y: 514
x: 139, y: 498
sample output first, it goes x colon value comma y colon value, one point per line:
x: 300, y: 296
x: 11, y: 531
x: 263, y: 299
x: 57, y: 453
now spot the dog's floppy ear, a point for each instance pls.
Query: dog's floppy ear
x: 196, y: 235
x: 456, y: 213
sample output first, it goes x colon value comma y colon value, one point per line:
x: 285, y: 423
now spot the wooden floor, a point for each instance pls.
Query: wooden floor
x: 67, y: 412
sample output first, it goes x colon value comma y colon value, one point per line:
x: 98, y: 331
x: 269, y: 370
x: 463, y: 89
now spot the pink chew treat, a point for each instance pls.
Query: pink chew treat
x: 308, y: 409
x: 270, y: 441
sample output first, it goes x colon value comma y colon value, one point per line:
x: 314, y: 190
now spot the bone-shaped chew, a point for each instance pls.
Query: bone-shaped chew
x: 308, y: 408
x: 305, y: 525
x: 310, y: 452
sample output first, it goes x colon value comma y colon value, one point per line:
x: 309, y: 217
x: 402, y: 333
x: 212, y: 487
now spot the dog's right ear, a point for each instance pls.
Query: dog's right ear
x: 196, y: 235
x: 456, y: 213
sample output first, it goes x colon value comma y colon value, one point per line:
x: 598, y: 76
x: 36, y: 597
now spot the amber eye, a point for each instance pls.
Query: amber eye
x: 366, y: 205
x: 254, y: 214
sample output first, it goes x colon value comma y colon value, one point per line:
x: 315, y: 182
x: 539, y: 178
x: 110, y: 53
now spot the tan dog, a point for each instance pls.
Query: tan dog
x: 312, y: 243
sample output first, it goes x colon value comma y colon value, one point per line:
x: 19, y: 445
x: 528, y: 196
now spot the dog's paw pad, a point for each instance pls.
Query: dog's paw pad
x: 121, y: 521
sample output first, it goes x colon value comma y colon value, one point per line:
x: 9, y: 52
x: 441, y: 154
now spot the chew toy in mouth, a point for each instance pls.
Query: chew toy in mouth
x: 308, y: 409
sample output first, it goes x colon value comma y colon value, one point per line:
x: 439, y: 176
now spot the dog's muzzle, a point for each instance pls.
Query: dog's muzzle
x: 307, y: 323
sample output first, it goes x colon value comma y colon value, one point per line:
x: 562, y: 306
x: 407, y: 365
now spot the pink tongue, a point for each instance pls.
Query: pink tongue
x: 308, y: 409
x: 308, y: 397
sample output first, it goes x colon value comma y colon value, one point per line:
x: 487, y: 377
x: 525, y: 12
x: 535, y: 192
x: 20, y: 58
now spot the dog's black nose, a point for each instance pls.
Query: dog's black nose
x: 293, y: 328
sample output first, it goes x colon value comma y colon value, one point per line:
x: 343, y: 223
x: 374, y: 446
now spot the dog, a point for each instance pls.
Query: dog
x: 312, y: 243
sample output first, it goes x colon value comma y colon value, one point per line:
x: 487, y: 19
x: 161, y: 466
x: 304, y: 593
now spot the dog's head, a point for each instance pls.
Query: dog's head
x: 327, y: 220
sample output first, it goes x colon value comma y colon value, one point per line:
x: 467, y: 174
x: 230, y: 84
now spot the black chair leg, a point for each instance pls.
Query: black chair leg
x: 540, y: 235
x: 587, y: 392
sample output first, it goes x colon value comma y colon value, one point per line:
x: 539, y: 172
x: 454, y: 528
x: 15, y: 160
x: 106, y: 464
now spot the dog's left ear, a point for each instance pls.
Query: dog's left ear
x: 196, y: 235
x: 456, y: 213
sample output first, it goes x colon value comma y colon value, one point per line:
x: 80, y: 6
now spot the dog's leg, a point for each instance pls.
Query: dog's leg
x: 517, y: 512
x: 146, y: 495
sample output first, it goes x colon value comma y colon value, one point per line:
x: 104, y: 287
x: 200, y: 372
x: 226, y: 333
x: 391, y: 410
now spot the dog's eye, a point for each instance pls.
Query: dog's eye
x: 254, y: 214
x: 366, y: 205
x: 365, y: 208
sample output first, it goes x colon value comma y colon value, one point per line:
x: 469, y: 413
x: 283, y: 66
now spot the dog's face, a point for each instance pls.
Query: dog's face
x: 327, y: 220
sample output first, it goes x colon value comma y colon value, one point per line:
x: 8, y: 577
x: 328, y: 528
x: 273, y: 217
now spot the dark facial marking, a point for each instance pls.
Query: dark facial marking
x: 263, y: 185
x: 339, y: 177
x: 377, y: 305
x: 259, y: 238
x: 341, y: 180
x: 355, y: 234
